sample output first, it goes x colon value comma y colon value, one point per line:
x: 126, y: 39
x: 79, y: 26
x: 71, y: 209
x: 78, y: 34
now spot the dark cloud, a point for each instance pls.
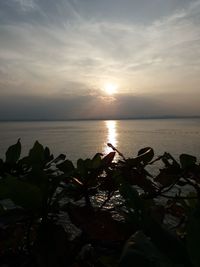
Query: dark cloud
x: 96, y: 107
x: 61, y: 12
x: 135, y: 11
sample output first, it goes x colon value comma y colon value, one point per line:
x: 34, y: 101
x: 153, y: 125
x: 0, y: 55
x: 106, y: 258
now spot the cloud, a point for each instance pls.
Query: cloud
x: 95, y: 107
x: 69, y: 48
x: 26, y: 5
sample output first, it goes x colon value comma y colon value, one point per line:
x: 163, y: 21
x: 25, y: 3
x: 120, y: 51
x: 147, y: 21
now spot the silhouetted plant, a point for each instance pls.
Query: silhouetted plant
x: 134, y: 208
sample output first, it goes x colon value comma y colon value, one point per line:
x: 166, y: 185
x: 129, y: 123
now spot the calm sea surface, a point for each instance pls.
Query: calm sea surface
x: 84, y: 138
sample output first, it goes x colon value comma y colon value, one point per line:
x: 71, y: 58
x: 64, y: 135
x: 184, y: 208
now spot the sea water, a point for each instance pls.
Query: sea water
x: 82, y: 139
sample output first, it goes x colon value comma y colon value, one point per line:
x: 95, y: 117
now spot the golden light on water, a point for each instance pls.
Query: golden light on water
x: 112, y: 134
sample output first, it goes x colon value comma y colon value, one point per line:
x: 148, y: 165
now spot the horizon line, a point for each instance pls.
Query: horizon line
x: 103, y: 119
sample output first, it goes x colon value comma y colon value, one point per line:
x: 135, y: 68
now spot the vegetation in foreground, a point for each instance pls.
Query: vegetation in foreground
x: 99, y: 212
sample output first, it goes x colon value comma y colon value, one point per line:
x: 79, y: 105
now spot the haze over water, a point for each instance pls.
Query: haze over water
x: 85, y: 138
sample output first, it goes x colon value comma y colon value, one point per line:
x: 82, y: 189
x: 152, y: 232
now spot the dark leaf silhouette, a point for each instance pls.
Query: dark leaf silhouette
x: 13, y: 153
x: 146, y: 154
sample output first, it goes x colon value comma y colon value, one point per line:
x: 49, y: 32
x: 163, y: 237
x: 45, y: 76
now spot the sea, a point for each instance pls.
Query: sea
x: 83, y: 139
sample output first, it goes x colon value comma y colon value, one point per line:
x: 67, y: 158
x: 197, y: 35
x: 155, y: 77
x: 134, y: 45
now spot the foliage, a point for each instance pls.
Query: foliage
x: 122, y: 210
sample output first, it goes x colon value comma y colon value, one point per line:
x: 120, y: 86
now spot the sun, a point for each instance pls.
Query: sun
x: 110, y: 88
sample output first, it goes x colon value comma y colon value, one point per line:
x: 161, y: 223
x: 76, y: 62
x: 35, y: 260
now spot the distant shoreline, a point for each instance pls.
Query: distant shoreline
x: 103, y: 119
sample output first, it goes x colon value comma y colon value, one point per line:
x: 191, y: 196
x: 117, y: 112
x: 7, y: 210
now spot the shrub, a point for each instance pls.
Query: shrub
x: 119, y: 208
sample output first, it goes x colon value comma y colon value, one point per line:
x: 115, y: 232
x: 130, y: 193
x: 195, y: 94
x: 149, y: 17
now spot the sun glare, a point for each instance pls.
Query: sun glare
x: 112, y: 135
x: 110, y: 88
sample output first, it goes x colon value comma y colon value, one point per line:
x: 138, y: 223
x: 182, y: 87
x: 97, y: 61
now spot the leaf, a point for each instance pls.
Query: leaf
x: 187, y: 161
x: 21, y: 193
x: 47, y: 155
x: 157, y: 211
x: 140, y: 251
x: 73, y: 190
x: 66, y: 166
x: 145, y: 154
x: 132, y: 162
x: 110, y: 260
x: 168, y: 176
x: 108, y: 183
x: 1, y: 166
x: 88, y: 164
x: 193, y: 236
x: 191, y: 202
x: 131, y: 196
x: 175, y: 209
x: 2, y: 210
x: 107, y: 160
x: 36, y: 154
x: 13, y: 153
x: 61, y: 157
x: 96, y: 161
x: 98, y: 225
x: 135, y: 177
x: 81, y: 168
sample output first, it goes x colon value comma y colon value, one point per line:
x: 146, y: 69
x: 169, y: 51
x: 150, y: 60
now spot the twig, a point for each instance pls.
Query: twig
x: 171, y: 186
x: 115, y: 149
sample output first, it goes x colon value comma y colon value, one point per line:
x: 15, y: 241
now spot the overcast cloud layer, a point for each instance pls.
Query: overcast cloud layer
x: 55, y: 57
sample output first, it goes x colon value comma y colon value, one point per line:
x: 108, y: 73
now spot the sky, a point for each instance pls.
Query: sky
x: 62, y: 59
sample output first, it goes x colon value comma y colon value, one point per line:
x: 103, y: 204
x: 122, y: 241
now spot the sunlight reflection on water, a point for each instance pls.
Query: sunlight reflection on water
x: 82, y: 139
x: 112, y: 135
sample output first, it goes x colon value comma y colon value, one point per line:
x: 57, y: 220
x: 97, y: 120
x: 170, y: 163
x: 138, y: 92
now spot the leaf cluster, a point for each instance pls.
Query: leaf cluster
x: 121, y: 209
